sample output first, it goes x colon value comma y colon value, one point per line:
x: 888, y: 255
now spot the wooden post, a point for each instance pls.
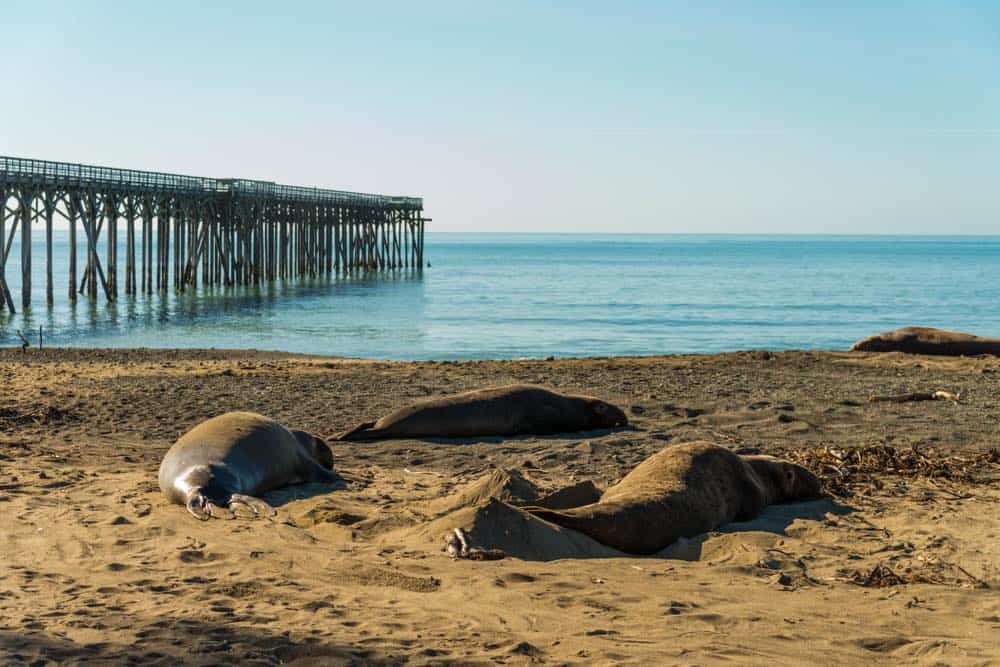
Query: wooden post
x: 111, y: 217
x: 147, y: 244
x: 50, y: 206
x: 178, y: 245
x: 73, y: 208
x: 420, y: 256
x: 26, y: 204
x: 130, y: 210
x: 4, y: 245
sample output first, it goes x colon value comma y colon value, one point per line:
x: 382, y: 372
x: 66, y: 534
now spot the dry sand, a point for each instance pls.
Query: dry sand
x: 96, y: 566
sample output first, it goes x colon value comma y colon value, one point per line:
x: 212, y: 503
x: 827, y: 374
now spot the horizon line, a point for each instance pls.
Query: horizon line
x: 835, y: 234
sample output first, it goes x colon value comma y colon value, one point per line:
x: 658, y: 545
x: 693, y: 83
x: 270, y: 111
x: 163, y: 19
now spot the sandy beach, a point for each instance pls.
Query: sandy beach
x: 96, y: 566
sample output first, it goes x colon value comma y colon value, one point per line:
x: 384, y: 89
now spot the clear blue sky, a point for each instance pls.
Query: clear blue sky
x: 811, y: 117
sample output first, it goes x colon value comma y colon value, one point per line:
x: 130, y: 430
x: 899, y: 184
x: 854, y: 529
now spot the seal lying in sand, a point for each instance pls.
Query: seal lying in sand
x: 925, y: 340
x: 229, y: 459
x: 513, y: 410
x: 682, y: 491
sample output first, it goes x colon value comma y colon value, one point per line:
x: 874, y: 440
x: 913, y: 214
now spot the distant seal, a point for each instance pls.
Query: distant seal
x: 231, y: 458
x: 511, y: 410
x: 682, y: 491
x: 926, y: 340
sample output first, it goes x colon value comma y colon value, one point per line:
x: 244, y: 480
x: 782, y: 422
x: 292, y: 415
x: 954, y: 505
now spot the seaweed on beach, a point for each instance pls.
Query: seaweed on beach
x: 846, y: 472
x: 930, y: 571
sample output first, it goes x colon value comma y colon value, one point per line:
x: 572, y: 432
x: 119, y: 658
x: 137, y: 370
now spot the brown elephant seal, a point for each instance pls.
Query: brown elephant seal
x: 682, y: 491
x: 230, y: 459
x: 512, y: 410
x: 925, y: 340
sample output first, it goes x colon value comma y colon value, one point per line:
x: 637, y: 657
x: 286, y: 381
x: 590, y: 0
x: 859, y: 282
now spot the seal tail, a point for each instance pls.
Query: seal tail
x: 560, y: 518
x: 360, y: 432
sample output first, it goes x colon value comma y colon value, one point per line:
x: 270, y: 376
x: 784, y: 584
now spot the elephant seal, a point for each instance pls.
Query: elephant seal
x: 926, y: 340
x: 229, y: 459
x: 682, y: 491
x: 511, y: 410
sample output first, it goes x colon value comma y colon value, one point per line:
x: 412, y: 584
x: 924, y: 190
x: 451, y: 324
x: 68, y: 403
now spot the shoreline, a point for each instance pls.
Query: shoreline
x: 227, y: 351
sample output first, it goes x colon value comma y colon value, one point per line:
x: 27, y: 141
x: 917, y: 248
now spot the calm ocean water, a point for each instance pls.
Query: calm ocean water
x: 509, y: 296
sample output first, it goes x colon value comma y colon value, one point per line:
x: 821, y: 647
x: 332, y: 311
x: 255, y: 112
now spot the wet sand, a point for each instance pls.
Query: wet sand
x: 96, y: 566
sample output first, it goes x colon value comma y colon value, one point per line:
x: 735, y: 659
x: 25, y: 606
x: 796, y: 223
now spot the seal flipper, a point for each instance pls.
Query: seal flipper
x: 591, y: 520
x: 198, y: 506
x: 360, y: 432
x: 256, y: 505
x: 219, y: 512
x: 557, y: 517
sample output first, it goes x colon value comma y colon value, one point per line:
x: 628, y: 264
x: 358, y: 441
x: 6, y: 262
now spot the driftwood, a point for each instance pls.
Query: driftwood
x: 916, y: 396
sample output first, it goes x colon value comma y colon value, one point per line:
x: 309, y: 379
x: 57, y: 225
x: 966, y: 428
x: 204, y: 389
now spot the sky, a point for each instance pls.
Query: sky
x: 645, y: 117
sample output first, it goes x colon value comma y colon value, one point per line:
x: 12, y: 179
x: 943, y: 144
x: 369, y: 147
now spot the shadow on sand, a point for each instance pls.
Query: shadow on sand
x: 498, y: 439
x: 187, y: 641
x: 774, y: 519
x: 286, y: 494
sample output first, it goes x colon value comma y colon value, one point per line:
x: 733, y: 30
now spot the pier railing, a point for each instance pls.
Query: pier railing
x: 230, y: 231
x: 45, y: 172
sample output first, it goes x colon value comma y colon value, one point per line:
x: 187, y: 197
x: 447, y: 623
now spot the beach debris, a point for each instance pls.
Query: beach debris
x: 24, y: 341
x: 420, y: 472
x: 929, y: 571
x: 845, y: 472
x: 916, y: 396
x: 880, y: 576
x: 456, y: 543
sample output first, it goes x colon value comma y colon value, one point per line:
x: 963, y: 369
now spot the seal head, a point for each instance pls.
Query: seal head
x: 316, y: 447
x: 785, y: 480
x: 605, y: 415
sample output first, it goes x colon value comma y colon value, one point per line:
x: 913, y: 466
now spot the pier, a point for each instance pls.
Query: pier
x: 180, y: 230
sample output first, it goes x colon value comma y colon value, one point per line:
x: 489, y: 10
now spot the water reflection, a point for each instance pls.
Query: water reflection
x: 225, y: 316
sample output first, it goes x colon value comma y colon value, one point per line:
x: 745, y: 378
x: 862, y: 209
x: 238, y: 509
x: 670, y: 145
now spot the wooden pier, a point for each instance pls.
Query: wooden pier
x: 180, y: 230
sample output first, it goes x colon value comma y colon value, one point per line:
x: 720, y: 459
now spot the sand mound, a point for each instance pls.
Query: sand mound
x: 507, y: 485
x: 499, y: 525
x: 512, y: 487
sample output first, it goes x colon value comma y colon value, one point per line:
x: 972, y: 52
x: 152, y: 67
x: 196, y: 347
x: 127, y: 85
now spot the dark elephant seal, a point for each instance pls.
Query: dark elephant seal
x: 230, y: 459
x: 683, y: 491
x: 925, y: 340
x: 512, y: 410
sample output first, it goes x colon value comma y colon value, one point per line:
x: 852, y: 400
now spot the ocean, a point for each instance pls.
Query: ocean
x: 539, y: 295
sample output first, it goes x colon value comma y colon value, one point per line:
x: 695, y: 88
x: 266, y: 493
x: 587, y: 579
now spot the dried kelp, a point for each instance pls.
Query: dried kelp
x: 845, y: 472
x: 927, y: 571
